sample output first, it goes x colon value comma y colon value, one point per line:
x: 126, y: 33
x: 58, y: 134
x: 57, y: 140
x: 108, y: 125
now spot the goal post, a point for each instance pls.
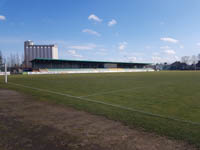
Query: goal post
x: 6, y: 75
x: 4, y: 72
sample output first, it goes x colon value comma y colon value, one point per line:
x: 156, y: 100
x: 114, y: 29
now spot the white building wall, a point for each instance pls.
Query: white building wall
x: 46, y: 51
x: 40, y: 52
x: 54, y: 53
x: 50, y: 52
x: 33, y: 54
x: 43, y: 52
x: 37, y: 52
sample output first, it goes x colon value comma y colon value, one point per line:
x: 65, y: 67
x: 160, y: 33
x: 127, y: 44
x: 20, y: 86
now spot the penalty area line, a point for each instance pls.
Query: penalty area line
x: 112, y: 105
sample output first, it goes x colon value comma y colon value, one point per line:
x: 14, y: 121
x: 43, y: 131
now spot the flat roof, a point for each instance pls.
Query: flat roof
x: 41, y: 45
x: 88, y: 61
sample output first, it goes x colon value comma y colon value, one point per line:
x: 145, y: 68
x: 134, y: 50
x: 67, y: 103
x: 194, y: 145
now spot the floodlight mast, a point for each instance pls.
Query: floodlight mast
x: 6, y: 76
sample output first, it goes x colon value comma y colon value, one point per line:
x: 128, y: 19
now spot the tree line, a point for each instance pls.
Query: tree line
x: 186, y: 63
x: 13, y: 61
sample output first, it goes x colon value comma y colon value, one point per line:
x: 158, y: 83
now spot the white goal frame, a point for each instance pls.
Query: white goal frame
x: 5, y: 72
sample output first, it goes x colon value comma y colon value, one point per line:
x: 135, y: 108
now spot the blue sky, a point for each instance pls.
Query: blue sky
x: 113, y: 30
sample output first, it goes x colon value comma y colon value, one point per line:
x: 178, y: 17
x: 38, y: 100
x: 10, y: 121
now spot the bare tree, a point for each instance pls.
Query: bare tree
x: 22, y: 59
x: 185, y: 59
x: 198, y: 57
x: 17, y: 60
x: 194, y: 61
x: 14, y: 60
x: 1, y: 58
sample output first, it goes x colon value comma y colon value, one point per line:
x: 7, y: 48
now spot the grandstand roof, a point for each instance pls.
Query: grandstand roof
x: 88, y: 61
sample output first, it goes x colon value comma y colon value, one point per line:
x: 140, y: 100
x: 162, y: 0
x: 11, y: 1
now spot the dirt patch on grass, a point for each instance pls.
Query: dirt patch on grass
x: 30, y: 125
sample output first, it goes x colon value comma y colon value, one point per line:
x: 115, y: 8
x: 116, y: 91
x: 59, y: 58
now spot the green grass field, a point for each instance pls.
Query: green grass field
x: 166, y: 94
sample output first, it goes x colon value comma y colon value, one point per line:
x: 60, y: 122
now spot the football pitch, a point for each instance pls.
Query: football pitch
x: 167, y: 103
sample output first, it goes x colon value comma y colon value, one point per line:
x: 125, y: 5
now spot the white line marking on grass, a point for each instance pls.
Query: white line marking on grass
x: 112, y: 105
x: 108, y: 92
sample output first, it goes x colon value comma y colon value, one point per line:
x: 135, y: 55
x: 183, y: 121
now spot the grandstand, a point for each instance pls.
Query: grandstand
x: 54, y: 66
x: 45, y: 63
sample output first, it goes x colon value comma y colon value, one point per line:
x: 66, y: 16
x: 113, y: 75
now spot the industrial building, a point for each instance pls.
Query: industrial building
x: 32, y: 51
x: 44, y: 63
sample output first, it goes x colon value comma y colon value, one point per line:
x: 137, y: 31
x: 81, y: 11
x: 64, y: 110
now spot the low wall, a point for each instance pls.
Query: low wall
x: 3, y: 73
x: 71, y: 71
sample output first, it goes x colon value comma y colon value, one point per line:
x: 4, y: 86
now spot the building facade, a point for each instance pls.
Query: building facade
x: 40, y: 63
x: 32, y: 51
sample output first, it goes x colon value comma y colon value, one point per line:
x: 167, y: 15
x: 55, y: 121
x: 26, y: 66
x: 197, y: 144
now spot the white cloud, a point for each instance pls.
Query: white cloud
x: 167, y: 55
x: 168, y: 39
x: 156, y: 54
x: 83, y: 47
x: 2, y: 17
x: 170, y: 52
x: 147, y: 47
x: 112, y: 22
x: 168, y: 59
x: 101, y: 53
x: 74, y: 53
x: 102, y: 49
x: 164, y: 47
x: 132, y: 58
x: 198, y: 44
x: 89, y: 31
x: 122, y: 45
x: 94, y: 17
x: 181, y: 46
x: 156, y: 59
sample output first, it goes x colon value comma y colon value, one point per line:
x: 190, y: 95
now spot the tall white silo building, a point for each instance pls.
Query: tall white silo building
x: 32, y: 51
